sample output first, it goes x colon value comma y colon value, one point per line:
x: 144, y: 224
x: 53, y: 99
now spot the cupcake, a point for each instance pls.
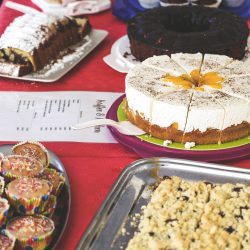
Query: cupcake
x: 4, y: 208
x: 34, y: 150
x: 28, y: 195
x: 7, y: 241
x: 56, y: 179
x: 31, y: 232
x: 16, y: 166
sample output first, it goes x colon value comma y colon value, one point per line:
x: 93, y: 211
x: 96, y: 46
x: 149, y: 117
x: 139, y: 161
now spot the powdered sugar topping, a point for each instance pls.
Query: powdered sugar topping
x: 27, y: 32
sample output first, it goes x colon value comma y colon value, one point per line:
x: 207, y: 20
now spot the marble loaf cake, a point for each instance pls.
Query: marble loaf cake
x: 32, y: 41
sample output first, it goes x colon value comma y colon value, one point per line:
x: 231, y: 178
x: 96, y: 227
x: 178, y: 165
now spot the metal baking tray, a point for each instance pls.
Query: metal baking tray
x: 132, y: 191
x: 69, y: 61
x: 64, y: 200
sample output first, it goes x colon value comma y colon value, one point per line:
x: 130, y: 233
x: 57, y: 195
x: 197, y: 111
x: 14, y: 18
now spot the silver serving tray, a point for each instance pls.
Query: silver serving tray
x: 132, y: 191
x: 64, y: 198
x: 95, y: 36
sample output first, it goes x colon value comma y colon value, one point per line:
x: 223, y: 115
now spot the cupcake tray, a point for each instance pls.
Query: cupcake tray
x: 62, y: 211
x: 62, y: 66
x: 151, y: 148
x: 132, y: 191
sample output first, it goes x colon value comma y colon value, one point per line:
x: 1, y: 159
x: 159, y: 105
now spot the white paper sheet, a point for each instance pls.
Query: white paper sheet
x: 48, y: 116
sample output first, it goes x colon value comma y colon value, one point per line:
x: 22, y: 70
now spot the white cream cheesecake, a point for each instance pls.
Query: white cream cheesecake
x: 190, y: 98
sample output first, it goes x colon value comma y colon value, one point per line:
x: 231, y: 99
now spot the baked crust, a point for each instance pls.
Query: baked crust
x: 211, y: 136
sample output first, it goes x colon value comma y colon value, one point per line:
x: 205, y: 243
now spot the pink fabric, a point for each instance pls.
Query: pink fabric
x: 92, y: 168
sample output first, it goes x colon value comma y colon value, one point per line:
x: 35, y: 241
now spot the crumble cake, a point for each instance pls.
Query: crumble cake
x: 194, y: 215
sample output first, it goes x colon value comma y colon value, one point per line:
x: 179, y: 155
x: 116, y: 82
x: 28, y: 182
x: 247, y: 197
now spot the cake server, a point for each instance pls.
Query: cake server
x: 124, y: 127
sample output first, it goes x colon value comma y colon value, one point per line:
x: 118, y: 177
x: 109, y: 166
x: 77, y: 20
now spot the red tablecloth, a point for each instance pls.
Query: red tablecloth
x: 92, y: 168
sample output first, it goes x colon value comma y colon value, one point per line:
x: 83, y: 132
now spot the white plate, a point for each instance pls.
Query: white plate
x: 120, y: 57
x: 66, y: 63
x: 74, y: 8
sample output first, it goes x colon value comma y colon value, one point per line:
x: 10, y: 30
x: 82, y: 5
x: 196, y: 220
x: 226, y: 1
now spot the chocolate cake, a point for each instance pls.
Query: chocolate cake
x: 32, y: 41
x: 187, y: 29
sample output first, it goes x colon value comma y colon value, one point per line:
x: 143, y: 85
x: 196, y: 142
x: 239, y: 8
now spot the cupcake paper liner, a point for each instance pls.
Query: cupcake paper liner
x: 29, y: 206
x: 49, y: 206
x: 45, y: 151
x: 4, y: 215
x: 56, y: 189
x: 39, y: 242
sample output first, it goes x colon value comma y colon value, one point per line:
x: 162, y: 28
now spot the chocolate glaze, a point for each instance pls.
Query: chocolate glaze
x: 188, y: 29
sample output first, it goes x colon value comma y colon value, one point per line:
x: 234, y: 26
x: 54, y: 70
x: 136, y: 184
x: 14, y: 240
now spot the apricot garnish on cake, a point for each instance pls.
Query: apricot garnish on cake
x: 196, y: 80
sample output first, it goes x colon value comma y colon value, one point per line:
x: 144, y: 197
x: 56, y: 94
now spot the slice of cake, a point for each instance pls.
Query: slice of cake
x: 189, y: 62
x: 33, y: 40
